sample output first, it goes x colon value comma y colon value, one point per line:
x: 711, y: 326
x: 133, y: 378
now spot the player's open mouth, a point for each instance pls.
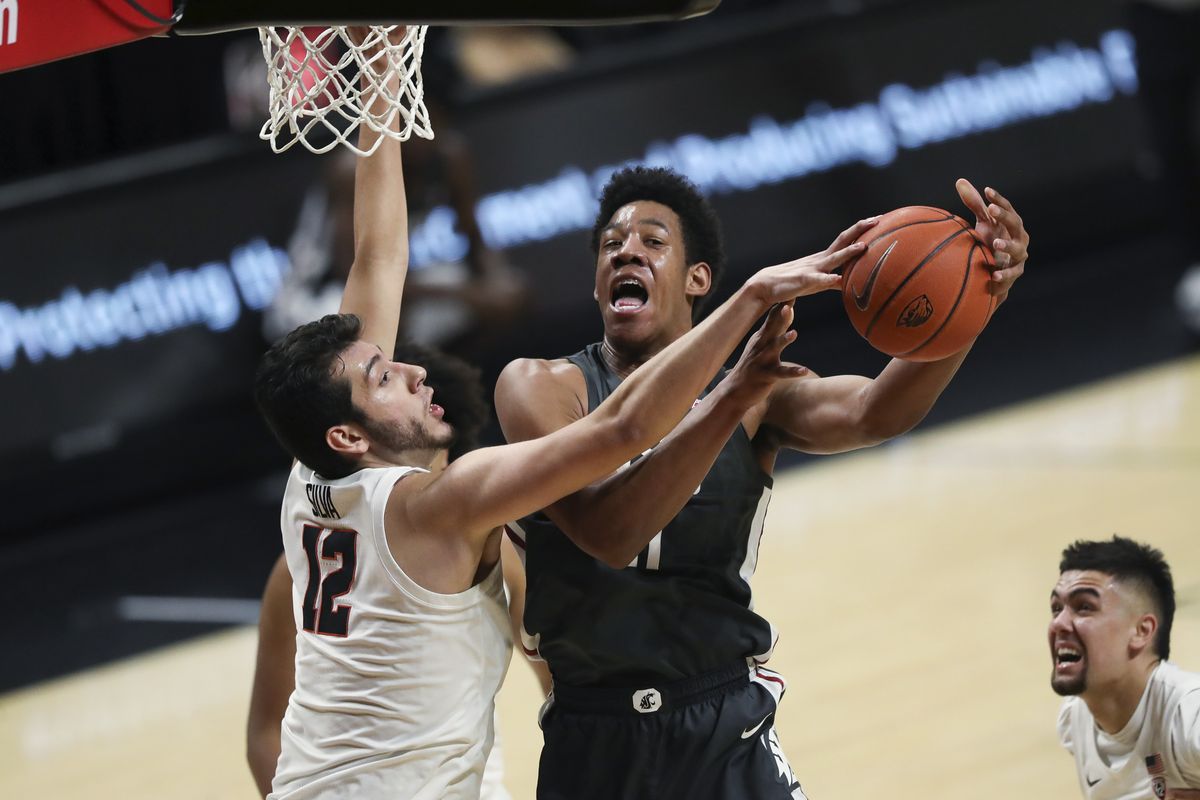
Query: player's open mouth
x: 1065, y: 657
x: 628, y: 296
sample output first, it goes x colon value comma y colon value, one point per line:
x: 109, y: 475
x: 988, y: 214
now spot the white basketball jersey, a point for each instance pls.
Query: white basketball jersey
x: 1158, y: 749
x: 395, y: 684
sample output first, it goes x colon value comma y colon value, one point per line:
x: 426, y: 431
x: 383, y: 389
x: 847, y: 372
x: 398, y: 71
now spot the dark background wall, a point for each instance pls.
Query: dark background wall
x: 131, y: 459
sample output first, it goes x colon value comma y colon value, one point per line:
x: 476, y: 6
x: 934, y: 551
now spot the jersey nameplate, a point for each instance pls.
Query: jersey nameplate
x: 321, y: 500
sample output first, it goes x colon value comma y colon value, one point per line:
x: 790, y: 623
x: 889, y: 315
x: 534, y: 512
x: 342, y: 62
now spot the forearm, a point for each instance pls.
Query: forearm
x: 615, y: 519
x: 900, y: 397
x: 262, y: 753
x: 651, y: 401
x: 375, y: 286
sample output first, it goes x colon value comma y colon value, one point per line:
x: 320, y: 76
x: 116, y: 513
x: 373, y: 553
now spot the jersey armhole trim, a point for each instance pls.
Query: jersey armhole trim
x: 399, y: 578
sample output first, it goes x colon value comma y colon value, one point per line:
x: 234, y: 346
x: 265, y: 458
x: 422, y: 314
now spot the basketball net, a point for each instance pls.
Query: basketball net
x: 317, y: 92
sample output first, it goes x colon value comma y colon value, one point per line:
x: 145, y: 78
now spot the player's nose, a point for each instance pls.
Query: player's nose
x: 631, y: 251
x: 415, y: 375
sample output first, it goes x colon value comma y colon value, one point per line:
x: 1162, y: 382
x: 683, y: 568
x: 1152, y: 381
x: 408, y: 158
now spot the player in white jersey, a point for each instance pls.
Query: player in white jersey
x: 402, y: 638
x: 1131, y: 719
x: 274, y: 673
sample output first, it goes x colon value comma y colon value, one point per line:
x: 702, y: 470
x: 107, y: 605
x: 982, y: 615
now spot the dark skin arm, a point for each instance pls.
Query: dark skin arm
x: 615, y: 518
x: 846, y: 412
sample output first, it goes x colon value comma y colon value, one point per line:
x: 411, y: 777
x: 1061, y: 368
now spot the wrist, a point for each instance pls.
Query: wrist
x: 734, y: 397
x: 755, y: 295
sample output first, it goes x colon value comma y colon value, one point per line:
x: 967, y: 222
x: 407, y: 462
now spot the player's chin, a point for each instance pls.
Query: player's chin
x: 1068, y: 685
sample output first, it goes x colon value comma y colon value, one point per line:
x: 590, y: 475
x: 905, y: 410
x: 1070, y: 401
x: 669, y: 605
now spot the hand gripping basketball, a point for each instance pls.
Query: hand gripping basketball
x: 1001, y: 228
x: 919, y: 290
x: 813, y: 273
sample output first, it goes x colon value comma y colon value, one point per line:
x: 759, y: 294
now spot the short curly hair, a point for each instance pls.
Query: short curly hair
x: 1130, y: 562
x: 702, y: 239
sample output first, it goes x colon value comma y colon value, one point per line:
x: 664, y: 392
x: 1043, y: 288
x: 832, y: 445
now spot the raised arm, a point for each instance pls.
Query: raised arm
x: 828, y: 415
x: 492, y: 486
x: 274, y: 676
x: 375, y: 285
x: 614, y: 518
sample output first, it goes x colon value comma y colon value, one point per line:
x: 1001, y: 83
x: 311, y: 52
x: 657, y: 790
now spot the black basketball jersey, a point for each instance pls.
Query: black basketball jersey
x: 682, y: 608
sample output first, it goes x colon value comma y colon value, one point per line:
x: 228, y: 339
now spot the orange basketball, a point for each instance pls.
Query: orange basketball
x: 919, y: 290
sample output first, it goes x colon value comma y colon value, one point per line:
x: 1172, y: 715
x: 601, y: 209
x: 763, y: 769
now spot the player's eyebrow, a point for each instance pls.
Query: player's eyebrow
x: 371, y: 365
x: 1054, y: 595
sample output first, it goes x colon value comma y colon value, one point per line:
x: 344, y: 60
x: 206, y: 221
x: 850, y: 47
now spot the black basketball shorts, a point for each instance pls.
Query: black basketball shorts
x: 711, y: 736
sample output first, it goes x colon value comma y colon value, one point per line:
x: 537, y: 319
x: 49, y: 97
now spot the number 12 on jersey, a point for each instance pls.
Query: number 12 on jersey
x: 321, y: 612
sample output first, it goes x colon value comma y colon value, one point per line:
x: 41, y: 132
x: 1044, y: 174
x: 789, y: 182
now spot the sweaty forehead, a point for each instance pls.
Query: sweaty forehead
x: 642, y: 212
x: 356, y: 360
x: 1075, y: 580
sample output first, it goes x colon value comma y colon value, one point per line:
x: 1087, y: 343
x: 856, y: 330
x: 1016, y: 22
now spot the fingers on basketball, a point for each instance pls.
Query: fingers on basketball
x: 852, y: 233
x: 924, y: 288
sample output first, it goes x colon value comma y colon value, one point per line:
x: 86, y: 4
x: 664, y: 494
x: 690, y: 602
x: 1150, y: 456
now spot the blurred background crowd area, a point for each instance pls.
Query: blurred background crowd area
x: 153, y: 245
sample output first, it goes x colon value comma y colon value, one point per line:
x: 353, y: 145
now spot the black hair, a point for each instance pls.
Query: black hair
x: 1130, y: 562
x: 701, y: 227
x: 458, y: 389
x: 300, y: 397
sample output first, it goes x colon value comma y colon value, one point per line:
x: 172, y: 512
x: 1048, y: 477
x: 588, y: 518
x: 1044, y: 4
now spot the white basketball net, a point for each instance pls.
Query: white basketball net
x: 317, y: 93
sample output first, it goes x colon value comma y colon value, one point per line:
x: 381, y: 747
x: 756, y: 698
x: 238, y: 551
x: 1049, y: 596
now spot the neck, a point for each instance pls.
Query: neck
x: 1112, y: 706
x: 624, y: 357
x: 426, y: 459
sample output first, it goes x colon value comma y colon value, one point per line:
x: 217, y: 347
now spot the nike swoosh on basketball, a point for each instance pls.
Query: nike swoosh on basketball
x: 1091, y: 782
x: 746, y: 734
x: 863, y: 300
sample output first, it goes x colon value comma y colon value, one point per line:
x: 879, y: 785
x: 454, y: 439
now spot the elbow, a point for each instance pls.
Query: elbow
x: 630, y: 432
x: 616, y: 558
x: 598, y: 543
x: 878, y: 428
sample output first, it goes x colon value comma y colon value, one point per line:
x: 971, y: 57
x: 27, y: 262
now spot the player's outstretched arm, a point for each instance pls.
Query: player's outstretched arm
x: 486, y: 488
x: 375, y: 285
x: 829, y: 415
x: 274, y: 676
x: 613, y: 519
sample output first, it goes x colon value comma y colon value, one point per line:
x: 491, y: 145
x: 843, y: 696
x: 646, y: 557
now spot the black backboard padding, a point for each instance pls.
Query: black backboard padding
x: 214, y: 16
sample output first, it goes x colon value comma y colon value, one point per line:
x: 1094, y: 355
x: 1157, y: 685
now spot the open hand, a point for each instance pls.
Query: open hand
x: 814, y: 273
x: 1001, y: 227
x: 761, y: 363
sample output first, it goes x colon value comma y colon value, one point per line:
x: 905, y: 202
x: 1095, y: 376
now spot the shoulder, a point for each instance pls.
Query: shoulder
x: 525, y: 379
x: 1185, y: 692
x: 526, y: 369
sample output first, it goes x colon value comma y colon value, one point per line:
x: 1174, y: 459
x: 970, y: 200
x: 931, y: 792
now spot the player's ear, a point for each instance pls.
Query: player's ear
x: 1144, y: 631
x: 699, y: 279
x: 346, y: 439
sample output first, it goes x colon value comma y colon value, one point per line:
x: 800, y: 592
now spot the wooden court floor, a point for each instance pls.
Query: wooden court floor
x: 910, y: 583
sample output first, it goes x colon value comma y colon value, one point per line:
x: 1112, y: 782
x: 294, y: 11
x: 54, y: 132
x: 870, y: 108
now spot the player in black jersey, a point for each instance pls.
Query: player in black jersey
x: 638, y: 586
